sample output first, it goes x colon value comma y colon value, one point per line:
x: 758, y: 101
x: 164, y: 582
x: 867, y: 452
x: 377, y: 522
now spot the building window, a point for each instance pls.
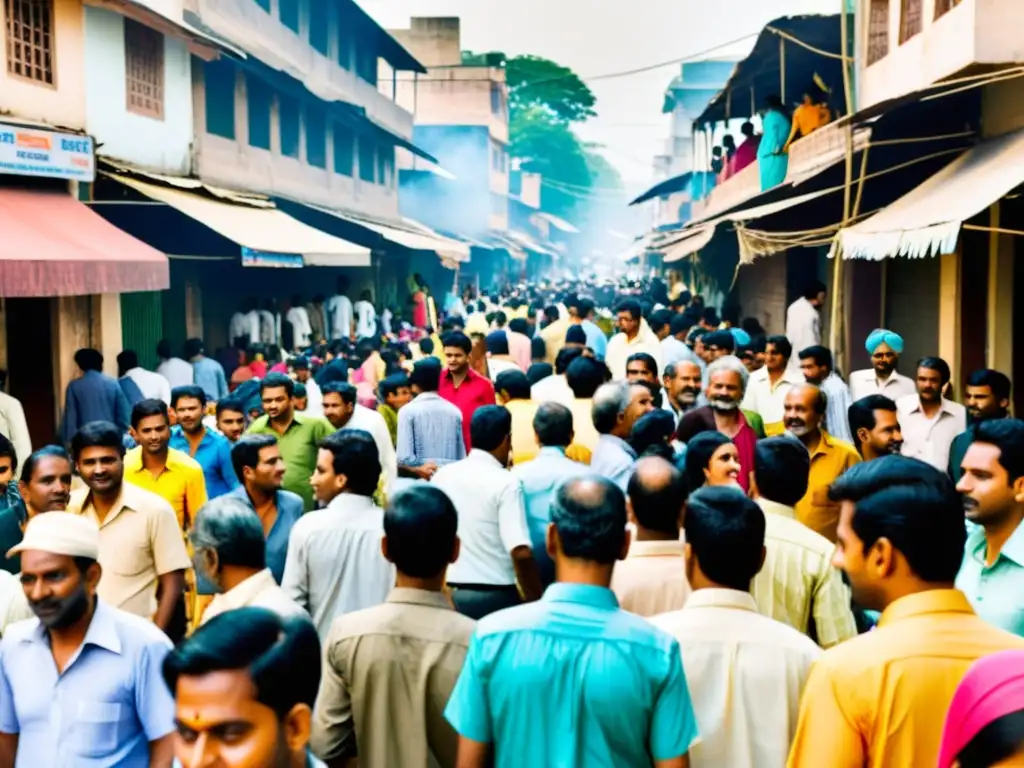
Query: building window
x: 944, y: 6
x: 878, y: 30
x: 264, y: 4
x: 910, y: 19
x: 499, y: 158
x: 316, y: 137
x: 366, y: 62
x: 497, y: 101
x: 344, y: 150
x: 219, y: 79
x: 385, y: 165
x: 258, y: 100
x: 288, y: 10
x: 144, y: 69
x: 346, y: 42
x: 367, y: 157
x: 318, y: 25
x: 288, y: 119
x: 30, y: 39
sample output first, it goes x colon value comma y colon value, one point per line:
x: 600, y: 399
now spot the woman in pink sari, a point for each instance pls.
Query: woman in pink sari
x: 369, y: 373
x: 417, y: 286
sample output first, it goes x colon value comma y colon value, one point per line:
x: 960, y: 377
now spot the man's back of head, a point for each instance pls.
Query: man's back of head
x: 656, y: 496
x: 782, y: 470
x: 588, y: 516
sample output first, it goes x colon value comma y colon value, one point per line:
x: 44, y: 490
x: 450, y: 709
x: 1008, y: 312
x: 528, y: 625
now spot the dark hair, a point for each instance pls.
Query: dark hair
x: 589, y: 514
x: 427, y: 345
x: 813, y: 288
x: 281, y: 656
x: 514, y: 384
x: 347, y: 392
x: 822, y: 356
x: 781, y: 343
x: 149, y: 407
x: 356, y: 457
x: 47, y: 451
x: 457, y: 339
x: 565, y: 357
x: 658, y: 507
x: 575, y: 334
x: 782, y: 469
x: 936, y: 364
x: 585, y: 376
x: 497, y: 342
x: 500, y: 319
x: 584, y: 306
x: 710, y: 316
x: 998, y: 382
x: 630, y: 306
x: 551, y: 313
x: 681, y: 323
x: 914, y: 506
x: 553, y: 425
x: 1008, y: 436
x: 652, y: 429
x: 519, y: 325
x: 230, y: 404
x: 246, y: 452
x: 89, y: 359
x: 190, y: 391
x: 277, y: 381
x: 648, y: 360
x: 7, y: 449
x: 660, y: 318
x: 538, y: 348
x: 97, y: 434
x: 539, y: 371
x: 861, y: 414
x: 126, y: 361
x: 391, y: 384
x: 163, y: 349
x: 193, y: 347
x: 725, y: 531
x: 300, y: 391
x: 420, y: 523
x: 699, y: 450
x: 426, y: 375
x: 489, y: 427
x: 997, y: 741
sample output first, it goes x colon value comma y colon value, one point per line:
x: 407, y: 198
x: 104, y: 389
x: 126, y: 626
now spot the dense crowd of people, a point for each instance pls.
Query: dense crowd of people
x: 572, y: 525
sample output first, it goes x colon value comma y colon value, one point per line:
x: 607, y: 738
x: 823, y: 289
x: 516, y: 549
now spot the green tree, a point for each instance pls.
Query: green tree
x: 535, y: 82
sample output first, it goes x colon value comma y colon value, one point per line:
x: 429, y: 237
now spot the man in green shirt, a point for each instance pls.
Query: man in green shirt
x: 298, y: 435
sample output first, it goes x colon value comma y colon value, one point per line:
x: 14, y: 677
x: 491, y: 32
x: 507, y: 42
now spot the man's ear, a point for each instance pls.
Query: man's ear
x: 297, y: 726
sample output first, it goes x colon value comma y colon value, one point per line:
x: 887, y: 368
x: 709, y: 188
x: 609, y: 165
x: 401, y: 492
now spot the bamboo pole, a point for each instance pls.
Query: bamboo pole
x: 838, y: 334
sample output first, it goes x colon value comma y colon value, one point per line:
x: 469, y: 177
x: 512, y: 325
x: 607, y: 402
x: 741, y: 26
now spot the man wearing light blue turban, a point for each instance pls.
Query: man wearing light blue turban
x: 882, y: 378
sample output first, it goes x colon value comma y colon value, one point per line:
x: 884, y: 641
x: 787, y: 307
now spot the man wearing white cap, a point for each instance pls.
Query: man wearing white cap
x: 81, y: 683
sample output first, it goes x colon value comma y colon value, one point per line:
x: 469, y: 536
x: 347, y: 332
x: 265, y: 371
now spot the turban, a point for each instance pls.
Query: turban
x: 742, y: 337
x: 881, y: 336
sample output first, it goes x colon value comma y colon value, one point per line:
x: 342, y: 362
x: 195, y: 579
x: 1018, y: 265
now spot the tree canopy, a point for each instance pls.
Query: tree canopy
x: 534, y: 82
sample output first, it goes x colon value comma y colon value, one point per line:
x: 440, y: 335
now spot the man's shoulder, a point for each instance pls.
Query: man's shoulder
x: 141, y: 635
x: 259, y: 424
x: 396, y: 618
x: 179, y: 458
x: 843, y: 448
x: 787, y: 532
x: 142, y: 500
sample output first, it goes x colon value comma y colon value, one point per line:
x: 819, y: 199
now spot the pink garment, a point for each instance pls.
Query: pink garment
x: 992, y: 688
x: 745, y: 440
x: 258, y: 368
x: 419, y: 309
x: 281, y: 367
x: 746, y: 154
x: 519, y: 348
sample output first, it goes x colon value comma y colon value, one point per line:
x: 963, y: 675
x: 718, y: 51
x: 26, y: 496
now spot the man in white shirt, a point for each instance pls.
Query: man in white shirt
x: 366, y: 316
x: 555, y: 388
x: 803, y: 323
x: 635, y: 336
x: 334, y: 563
x: 245, y: 324
x: 929, y: 421
x: 735, y: 659
x: 177, y: 372
x: 152, y: 385
x: 14, y: 427
x: 885, y: 348
x: 498, y: 358
x: 496, y: 548
x: 338, y: 400
x: 339, y: 311
x: 298, y: 318
x: 314, y: 397
x: 768, y: 387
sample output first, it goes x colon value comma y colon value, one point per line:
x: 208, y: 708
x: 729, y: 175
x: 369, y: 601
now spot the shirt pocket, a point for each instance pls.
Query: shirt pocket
x: 97, y: 728
x: 129, y: 558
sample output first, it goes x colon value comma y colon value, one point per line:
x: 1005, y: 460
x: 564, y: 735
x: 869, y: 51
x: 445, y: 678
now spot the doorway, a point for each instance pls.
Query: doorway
x: 30, y: 366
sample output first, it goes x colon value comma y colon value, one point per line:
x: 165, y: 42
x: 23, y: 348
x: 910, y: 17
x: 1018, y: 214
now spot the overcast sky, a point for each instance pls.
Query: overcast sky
x: 597, y: 37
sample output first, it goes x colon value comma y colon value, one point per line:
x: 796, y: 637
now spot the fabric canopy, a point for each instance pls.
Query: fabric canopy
x: 53, y: 245
x: 927, y: 220
x: 695, y: 239
x: 262, y: 229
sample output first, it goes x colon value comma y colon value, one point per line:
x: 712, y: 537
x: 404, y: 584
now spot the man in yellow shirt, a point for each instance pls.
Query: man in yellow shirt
x: 830, y: 457
x: 876, y: 700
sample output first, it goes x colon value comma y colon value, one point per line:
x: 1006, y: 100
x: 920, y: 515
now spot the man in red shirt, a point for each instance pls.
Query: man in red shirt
x: 461, y: 386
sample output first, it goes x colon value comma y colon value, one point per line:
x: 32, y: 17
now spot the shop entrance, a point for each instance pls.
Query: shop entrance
x: 30, y: 365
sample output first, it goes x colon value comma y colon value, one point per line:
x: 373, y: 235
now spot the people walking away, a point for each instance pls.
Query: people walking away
x: 735, y: 658
x: 415, y: 641
x: 14, y: 427
x: 876, y: 427
x: 429, y: 428
x: 495, y: 552
x: 340, y: 311
x: 152, y: 385
x: 616, y: 407
x: 803, y: 318
x: 928, y: 420
x: 816, y: 367
x: 190, y: 436
x: 575, y: 645
x: 885, y: 348
x: 209, y: 374
x: 555, y: 388
x: 93, y: 396
x: 876, y: 699
x: 987, y: 397
x: 178, y: 372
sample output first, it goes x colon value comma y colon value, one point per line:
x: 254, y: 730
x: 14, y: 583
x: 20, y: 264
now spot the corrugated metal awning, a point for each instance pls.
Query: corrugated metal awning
x: 263, y: 233
x: 926, y: 221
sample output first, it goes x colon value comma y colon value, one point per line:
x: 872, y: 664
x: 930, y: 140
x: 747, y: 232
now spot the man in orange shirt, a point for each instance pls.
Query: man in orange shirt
x: 876, y: 700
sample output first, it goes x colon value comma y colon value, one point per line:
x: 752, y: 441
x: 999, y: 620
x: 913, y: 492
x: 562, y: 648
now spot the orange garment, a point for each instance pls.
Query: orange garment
x: 810, y: 117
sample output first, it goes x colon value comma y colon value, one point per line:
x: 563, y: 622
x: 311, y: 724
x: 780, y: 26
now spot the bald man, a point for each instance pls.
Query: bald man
x: 885, y: 348
x: 804, y: 411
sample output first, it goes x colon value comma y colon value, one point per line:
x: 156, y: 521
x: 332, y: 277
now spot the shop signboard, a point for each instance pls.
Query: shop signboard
x: 44, y: 153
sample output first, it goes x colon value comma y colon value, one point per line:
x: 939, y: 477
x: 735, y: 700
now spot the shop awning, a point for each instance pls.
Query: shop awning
x: 267, y: 236
x: 692, y: 242
x: 927, y: 220
x: 53, y: 245
x: 558, y: 223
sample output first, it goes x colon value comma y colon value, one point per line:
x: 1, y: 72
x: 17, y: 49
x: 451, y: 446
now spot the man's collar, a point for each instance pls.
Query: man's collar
x: 582, y: 594
x: 102, y: 631
x: 424, y: 597
x: 246, y: 590
x: 655, y: 548
x: 477, y: 455
x: 120, y: 504
x: 619, y: 443
x: 921, y: 603
x: 350, y: 503
x: 1012, y: 550
x: 770, y: 507
x: 721, y: 598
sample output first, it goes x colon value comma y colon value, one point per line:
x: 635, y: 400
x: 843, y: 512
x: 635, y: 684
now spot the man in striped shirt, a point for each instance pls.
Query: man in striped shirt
x: 429, y: 428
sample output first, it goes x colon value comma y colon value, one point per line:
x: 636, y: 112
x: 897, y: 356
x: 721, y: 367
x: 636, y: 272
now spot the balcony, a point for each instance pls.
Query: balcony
x: 971, y: 34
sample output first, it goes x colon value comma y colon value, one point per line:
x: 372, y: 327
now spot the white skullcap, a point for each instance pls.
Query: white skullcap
x: 60, y: 533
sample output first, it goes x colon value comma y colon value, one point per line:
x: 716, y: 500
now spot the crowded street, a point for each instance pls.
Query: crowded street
x: 363, y: 405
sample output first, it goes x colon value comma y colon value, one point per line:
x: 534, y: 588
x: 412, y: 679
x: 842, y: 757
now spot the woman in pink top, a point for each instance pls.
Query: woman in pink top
x: 746, y: 153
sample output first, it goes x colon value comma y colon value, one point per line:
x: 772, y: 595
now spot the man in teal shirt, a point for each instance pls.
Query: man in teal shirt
x: 992, y: 573
x: 298, y: 436
x: 573, y: 679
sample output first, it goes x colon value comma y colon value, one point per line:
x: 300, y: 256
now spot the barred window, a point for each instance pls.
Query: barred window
x: 944, y: 6
x: 878, y: 30
x: 30, y: 39
x: 910, y: 19
x: 144, y: 69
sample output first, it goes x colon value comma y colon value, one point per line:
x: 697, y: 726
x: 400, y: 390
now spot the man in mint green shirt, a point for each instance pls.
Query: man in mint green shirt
x: 298, y: 436
x: 573, y: 679
x: 992, y: 573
